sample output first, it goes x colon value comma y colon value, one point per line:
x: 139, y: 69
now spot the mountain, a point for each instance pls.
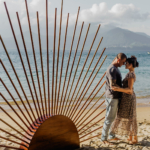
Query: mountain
x: 118, y: 37
x: 112, y: 38
x: 141, y: 33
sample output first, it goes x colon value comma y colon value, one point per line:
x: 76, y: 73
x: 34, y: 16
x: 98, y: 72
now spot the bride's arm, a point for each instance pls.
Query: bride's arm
x: 128, y: 90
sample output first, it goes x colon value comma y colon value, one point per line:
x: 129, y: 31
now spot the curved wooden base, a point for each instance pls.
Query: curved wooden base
x: 56, y: 133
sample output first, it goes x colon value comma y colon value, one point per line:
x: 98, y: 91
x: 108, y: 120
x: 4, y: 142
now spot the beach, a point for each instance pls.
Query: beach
x: 143, y: 118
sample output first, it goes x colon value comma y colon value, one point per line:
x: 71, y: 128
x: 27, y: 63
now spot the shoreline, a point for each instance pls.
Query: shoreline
x: 141, y: 102
x: 143, y: 112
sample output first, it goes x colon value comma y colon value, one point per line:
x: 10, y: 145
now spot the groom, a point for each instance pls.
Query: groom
x: 113, y: 78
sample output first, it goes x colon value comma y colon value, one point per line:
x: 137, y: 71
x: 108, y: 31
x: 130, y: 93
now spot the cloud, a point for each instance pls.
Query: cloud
x: 119, y: 13
x: 19, y: 6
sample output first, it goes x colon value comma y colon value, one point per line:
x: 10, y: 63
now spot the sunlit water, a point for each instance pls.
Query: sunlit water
x: 141, y: 86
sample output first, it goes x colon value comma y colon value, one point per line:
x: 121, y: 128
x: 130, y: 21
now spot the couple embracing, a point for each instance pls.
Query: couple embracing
x: 120, y: 101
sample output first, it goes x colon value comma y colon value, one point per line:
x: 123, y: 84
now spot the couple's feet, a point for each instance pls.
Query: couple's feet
x: 132, y: 140
x: 109, y: 142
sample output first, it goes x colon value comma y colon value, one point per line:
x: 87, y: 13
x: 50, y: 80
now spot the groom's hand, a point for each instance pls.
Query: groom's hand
x: 114, y: 88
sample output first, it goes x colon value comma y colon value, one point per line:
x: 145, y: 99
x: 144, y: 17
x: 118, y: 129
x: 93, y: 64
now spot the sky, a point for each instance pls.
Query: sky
x: 132, y: 15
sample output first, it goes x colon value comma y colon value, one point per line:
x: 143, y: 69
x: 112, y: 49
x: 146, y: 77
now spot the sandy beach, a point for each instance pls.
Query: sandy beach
x: 143, y: 117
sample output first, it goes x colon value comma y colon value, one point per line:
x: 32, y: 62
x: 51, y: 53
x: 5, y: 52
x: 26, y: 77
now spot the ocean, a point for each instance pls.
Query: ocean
x: 141, y: 86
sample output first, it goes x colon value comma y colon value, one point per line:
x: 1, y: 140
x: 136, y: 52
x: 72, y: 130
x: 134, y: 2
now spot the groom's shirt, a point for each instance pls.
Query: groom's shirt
x: 113, y: 73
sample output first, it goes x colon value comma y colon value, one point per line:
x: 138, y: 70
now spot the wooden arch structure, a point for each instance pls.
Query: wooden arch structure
x: 55, y: 120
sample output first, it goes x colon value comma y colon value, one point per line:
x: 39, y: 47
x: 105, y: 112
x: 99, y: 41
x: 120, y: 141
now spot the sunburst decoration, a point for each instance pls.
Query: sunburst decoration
x: 58, y: 118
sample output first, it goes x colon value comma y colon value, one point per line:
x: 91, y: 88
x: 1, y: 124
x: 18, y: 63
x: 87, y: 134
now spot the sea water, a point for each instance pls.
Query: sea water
x: 141, y: 86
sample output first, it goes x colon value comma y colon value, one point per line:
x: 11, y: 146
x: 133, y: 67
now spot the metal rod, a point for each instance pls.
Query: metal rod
x: 15, y: 112
x: 93, y: 77
x: 13, y: 136
x: 90, y: 109
x: 13, y: 147
x: 47, y: 47
x: 62, y: 64
x: 89, y: 95
x: 40, y: 48
x: 11, y: 140
x: 91, y: 132
x: 77, y: 68
x: 89, y: 68
x: 69, y: 59
x: 34, y: 59
x: 53, y: 69
x: 98, y: 71
x: 89, y: 84
x: 84, y: 64
x: 92, y: 119
x: 90, y: 138
x: 28, y: 60
x: 75, y: 119
x: 58, y: 57
x: 91, y: 125
x: 15, y: 102
x: 72, y: 66
x: 14, y: 121
x: 90, y: 114
x: 16, y: 89
x: 14, y: 129
x: 17, y: 48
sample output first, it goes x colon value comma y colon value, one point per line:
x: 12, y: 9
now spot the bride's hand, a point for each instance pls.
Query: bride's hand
x: 114, y: 88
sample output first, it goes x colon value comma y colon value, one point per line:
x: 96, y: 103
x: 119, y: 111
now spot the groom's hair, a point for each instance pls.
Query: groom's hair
x: 121, y: 56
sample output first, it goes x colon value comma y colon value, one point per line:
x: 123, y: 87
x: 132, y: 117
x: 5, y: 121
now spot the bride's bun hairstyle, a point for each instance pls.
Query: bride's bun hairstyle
x: 133, y: 61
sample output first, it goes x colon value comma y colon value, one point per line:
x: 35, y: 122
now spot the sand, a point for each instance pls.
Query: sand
x: 143, y: 117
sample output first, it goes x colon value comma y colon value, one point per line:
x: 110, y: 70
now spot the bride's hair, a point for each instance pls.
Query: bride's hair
x: 133, y: 61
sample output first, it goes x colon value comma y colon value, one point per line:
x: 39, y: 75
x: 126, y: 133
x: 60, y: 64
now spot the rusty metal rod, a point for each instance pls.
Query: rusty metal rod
x: 15, y: 121
x: 69, y: 60
x: 98, y: 70
x: 40, y: 48
x: 62, y: 65
x: 58, y: 57
x: 15, y: 89
x: 14, y: 129
x: 72, y: 67
x: 15, y: 112
x: 28, y: 59
x: 75, y: 119
x: 92, y: 119
x: 90, y: 138
x: 89, y: 84
x: 13, y: 136
x: 91, y: 114
x: 11, y: 141
x: 92, y: 125
x: 89, y: 95
x: 15, y: 101
x: 34, y: 58
x: 47, y: 47
x: 11, y: 61
x: 93, y: 77
x: 77, y: 69
x: 13, y: 147
x: 84, y: 65
x: 90, y: 109
x: 89, y: 68
x: 91, y: 132
x: 53, y: 69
